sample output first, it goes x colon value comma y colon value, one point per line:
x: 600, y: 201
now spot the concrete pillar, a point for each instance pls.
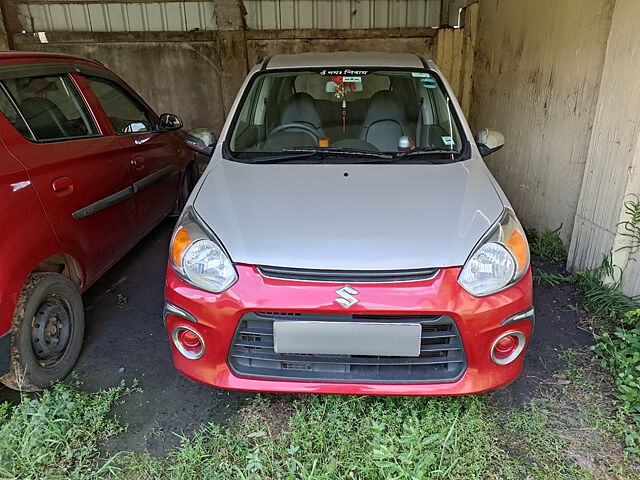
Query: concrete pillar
x: 612, y: 170
x: 4, y: 37
x: 232, y: 48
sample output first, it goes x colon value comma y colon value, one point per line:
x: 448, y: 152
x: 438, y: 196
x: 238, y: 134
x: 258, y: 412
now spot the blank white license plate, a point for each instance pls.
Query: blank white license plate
x: 347, y: 338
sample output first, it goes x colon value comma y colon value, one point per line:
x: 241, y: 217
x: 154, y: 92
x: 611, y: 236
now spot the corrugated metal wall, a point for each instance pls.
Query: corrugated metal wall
x: 170, y: 15
x: 289, y: 14
x: 118, y: 16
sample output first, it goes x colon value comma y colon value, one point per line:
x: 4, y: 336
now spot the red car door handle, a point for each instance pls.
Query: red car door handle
x: 138, y: 163
x: 62, y: 185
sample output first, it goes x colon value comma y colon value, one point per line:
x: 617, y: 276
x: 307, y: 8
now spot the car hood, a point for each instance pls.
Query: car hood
x: 348, y: 217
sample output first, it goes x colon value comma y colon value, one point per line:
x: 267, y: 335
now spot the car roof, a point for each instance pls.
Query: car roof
x: 344, y: 59
x: 9, y: 56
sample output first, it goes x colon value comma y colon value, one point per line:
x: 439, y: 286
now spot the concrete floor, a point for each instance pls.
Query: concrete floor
x: 125, y: 340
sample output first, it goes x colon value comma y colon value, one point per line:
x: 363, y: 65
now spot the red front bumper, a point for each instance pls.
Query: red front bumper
x: 478, y: 320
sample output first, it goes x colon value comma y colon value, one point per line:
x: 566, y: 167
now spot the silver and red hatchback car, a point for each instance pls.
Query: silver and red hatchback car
x: 347, y: 237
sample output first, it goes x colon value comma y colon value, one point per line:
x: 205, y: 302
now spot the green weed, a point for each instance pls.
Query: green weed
x: 604, y: 299
x: 547, y: 245
x: 552, y: 279
x: 55, y: 435
x: 619, y: 352
x: 122, y: 300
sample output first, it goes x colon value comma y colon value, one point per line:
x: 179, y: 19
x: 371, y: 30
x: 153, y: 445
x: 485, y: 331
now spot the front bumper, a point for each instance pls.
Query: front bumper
x: 479, y: 321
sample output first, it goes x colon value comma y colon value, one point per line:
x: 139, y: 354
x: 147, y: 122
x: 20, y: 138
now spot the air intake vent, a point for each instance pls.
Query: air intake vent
x: 441, y: 359
x: 348, y: 276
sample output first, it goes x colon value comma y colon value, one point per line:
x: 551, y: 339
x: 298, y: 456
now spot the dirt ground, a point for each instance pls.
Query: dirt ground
x: 125, y: 340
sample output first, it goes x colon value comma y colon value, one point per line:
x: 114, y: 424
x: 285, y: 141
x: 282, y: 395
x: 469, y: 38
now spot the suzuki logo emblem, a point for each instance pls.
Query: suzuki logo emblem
x: 347, y: 298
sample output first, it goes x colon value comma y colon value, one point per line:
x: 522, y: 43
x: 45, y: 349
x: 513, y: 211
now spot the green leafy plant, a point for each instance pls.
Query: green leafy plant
x: 553, y: 279
x: 547, y: 245
x: 619, y: 352
x: 602, y: 298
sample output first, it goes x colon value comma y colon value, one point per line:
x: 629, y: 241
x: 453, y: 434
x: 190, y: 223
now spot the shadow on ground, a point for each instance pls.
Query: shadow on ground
x: 125, y: 340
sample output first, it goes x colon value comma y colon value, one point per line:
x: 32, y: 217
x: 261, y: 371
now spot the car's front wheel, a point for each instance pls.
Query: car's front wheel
x: 47, y: 332
x: 189, y: 181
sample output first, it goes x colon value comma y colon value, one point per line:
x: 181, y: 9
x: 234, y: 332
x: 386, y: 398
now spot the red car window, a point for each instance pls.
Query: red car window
x: 9, y: 110
x: 51, y: 106
x: 124, y: 112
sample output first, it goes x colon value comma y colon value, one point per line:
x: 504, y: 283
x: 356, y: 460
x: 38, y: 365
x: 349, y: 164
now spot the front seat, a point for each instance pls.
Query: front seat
x: 385, y: 122
x: 301, y: 108
x: 45, y: 118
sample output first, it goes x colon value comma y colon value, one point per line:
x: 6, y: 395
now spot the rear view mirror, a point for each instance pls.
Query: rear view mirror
x: 352, y: 86
x: 169, y: 122
x: 489, y: 141
x: 202, y: 140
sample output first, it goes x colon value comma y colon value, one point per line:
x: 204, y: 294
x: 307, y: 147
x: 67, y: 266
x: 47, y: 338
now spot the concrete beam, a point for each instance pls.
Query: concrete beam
x: 339, y: 34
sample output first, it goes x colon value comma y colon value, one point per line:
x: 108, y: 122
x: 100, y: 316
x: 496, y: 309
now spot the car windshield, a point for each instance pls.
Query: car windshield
x: 336, y: 112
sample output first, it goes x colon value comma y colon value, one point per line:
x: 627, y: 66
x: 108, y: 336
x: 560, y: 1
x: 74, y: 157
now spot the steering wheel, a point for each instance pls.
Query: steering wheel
x: 304, y: 127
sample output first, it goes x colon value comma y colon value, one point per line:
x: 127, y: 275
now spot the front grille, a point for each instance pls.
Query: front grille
x: 348, y: 276
x: 441, y: 357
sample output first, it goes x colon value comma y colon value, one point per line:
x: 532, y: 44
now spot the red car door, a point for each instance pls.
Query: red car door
x: 153, y: 156
x: 79, y: 172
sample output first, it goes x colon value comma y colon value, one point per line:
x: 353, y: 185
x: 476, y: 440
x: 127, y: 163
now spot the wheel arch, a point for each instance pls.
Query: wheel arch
x: 63, y: 264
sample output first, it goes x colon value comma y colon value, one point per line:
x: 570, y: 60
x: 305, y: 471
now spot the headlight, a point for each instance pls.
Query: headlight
x: 499, y: 260
x: 198, y: 257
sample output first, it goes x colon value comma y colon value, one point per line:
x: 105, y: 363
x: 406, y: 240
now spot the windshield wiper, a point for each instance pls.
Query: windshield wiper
x: 364, y: 156
x: 296, y: 153
x: 281, y: 158
x: 338, y: 151
x: 425, y: 151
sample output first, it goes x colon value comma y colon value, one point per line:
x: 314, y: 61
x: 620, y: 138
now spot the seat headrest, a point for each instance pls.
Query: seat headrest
x: 384, y: 105
x: 301, y: 108
x: 44, y: 117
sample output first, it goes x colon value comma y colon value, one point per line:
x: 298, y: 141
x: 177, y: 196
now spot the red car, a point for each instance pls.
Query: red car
x: 86, y: 170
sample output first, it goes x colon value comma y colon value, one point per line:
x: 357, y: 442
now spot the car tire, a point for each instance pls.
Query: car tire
x: 46, y: 333
x: 189, y: 181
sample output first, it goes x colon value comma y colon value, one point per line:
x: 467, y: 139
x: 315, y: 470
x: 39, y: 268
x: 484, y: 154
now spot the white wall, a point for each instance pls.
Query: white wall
x: 536, y: 78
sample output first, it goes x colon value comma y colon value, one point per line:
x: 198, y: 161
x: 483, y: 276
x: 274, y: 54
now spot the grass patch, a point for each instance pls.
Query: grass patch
x: 617, y: 337
x: 335, y: 437
x: 55, y: 435
x: 547, y: 245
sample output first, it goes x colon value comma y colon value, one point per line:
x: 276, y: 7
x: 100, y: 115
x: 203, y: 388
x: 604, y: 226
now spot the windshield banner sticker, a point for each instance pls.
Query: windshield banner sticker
x: 420, y: 74
x: 344, y: 71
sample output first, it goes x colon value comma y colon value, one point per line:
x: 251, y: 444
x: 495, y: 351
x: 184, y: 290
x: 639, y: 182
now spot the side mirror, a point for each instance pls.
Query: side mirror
x: 169, y: 122
x: 202, y: 140
x: 489, y: 141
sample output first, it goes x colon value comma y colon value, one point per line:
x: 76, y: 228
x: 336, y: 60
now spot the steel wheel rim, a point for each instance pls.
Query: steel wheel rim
x: 51, y: 330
